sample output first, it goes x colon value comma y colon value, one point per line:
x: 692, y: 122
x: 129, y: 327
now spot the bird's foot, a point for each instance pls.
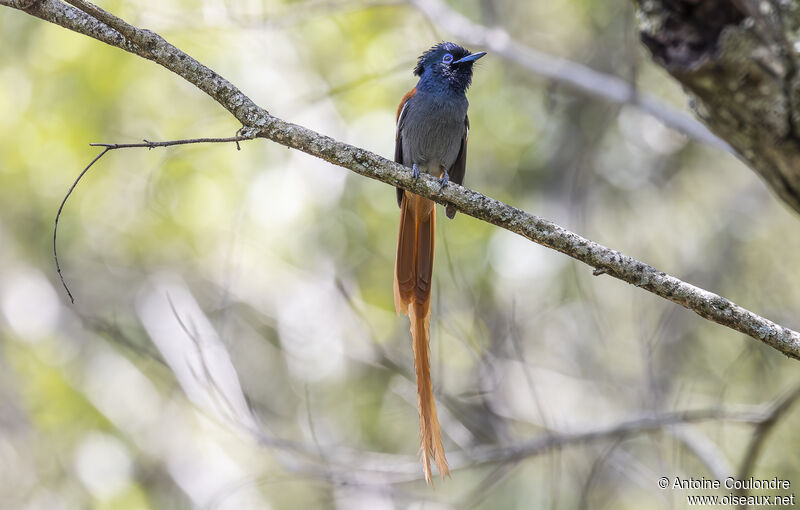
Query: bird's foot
x: 415, y: 171
x: 445, y: 178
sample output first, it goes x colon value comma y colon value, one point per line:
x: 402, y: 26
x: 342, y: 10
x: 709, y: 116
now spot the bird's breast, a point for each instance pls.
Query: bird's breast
x: 432, y: 132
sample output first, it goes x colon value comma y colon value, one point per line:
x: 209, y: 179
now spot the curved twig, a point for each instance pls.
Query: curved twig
x: 58, y: 216
x: 112, y: 146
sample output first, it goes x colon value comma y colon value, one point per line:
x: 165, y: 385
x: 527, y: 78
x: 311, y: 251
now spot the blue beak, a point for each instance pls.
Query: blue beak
x: 470, y: 58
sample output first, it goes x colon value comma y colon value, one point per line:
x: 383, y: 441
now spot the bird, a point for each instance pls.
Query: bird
x: 431, y: 136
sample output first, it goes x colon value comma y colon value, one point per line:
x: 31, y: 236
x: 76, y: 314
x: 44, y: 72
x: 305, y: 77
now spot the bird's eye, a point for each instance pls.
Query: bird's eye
x: 447, y: 58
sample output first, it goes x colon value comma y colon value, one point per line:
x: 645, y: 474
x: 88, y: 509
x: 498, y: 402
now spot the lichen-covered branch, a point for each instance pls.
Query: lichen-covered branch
x: 738, y: 61
x: 258, y: 122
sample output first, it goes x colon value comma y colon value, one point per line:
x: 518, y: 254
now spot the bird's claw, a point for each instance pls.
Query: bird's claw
x: 415, y: 171
x: 445, y: 178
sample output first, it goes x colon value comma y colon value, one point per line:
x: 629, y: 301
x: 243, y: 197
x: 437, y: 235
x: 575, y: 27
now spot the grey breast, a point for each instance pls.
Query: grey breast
x: 431, y: 131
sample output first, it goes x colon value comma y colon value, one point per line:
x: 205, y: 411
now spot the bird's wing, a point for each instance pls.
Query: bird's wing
x: 459, y: 168
x: 402, y: 110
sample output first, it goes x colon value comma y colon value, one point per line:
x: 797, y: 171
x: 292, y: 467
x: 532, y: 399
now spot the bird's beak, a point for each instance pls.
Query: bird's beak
x: 470, y: 58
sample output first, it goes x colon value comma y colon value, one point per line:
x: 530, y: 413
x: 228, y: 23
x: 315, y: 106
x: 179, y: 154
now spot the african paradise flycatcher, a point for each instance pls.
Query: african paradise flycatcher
x: 432, y: 131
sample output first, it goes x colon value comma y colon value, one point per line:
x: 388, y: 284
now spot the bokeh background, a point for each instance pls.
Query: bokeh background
x: 234, y: 344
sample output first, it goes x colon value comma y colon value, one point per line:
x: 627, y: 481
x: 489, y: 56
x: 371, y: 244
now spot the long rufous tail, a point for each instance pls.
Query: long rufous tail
x: 412, y: 297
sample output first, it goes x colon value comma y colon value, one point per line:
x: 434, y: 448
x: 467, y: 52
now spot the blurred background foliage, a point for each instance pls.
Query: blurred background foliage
x: 234, y: 344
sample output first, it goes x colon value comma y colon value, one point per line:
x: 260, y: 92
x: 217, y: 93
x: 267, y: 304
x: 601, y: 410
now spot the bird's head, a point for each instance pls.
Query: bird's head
x: 447, y: 65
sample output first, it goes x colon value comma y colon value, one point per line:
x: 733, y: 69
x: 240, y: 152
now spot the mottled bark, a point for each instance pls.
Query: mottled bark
x: 738, y: 61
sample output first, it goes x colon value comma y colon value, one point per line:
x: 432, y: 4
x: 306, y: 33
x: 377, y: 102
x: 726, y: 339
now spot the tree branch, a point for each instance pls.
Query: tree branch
x: 373, y: 467
x: 258, y: 122
x: 623, y: 428
x: 573, y: 75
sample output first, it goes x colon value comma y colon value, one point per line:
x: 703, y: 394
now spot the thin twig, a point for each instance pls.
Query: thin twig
x: 707, y: 451
x: 169, y: 143
x: 625, y: 428
x: 106, y: 17
x: 58, y: 216
x: 311, y: 428
x: 762, y: 431
x: 112, y: 146
x: 595, y: 471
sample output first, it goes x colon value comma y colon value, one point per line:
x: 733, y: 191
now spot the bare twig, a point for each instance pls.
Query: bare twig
x: 106, y: 17
x: 259, y: 122
x: 109, y: 147
x: 575, y: 76
x: 58, y: 216
x: 169, y: 143
x: 762, y: 431
x: 646, y: 424
x: 705, y: 450
x: 595, y: 471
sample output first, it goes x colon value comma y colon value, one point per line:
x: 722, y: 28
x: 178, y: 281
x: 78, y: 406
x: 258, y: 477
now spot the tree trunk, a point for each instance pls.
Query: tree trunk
x: 738, y: 61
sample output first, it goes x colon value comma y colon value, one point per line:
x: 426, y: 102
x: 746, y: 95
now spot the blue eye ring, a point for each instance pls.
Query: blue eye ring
x: 447, y: 58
